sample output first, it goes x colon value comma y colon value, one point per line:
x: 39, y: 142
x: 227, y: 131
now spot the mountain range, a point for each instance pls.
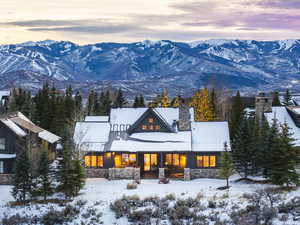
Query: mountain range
x: 150, y: 66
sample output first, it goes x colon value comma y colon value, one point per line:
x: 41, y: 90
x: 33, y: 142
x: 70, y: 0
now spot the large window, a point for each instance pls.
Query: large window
x: 175, y: 160
x: 2, y: 144
x: 206, y: 161
x: 1, y: 167
x: 125, y: 160
x: 93, y: 161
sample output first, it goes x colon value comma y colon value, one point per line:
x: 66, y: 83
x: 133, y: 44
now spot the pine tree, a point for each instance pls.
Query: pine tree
x: 141, y: 101
x: 287, y: 97
x: 105, y: 102
x: 136, y: 102
x: 227, y: 168
x: 177, y: 101
x: 69, y: 104
x: 44, y: 181
x: 164, y: 102
x: 78, y: 105
x: 236, y: 114
x: 120, y: 99
x: 283, y: 160
x: 78, y: 176
x: 244, y: 148
x: 276, y: 101
x: 22, y: 180
x: 90, y: 103
x: 213, y: 100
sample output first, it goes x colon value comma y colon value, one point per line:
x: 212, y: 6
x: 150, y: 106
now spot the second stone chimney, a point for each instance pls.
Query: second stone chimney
x: 184, y: 123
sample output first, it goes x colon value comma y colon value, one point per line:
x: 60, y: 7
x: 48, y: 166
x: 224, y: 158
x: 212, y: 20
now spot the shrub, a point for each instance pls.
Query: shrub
x: 15, y: 219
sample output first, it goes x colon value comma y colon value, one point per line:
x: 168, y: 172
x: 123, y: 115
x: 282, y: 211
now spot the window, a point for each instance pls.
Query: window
x: 93, y: 161
x: 1, y: 167
x: 2, y: 143
x: 175, y: 160
x: 144, y: 127
x: 206, y: 161
x: 125, y: 160
x: 150, y: 120
x: 157, y: 127
x: 151, y: 127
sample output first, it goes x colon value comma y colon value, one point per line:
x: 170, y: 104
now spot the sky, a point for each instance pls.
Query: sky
x: 93, y: 21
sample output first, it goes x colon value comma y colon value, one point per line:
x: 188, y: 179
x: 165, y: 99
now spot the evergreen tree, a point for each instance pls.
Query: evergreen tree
x: 69, y: 104
x: 44, y: 181
x: 78, y: 105
x: 141, y: 101
x: 244, y: 148
x: 105, y: 102
x: 236, y: 115
x: 120, y: 99
x: 226, y: 165
x: 42, y: 111
x: 136, y: 102
x: 213, y: 99
x: 287, y: 97
x: 22, y: 180
x: 78, y: 176
x: 283, y: 160
x: 276, y: 101
x: 91, y: 102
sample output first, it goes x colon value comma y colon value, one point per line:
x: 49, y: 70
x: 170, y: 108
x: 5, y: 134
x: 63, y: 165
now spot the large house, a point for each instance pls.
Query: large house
x: 149, y: 143
x: 18, y: 133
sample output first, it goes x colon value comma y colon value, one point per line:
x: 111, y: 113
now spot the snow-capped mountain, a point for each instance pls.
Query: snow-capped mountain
x: 232, y: 63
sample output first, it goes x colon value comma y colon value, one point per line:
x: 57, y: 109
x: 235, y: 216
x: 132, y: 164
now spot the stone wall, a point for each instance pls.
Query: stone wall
x: 6, y: 178
x: 204, y: 173
x: 96, y: 173
x: 124, y: 173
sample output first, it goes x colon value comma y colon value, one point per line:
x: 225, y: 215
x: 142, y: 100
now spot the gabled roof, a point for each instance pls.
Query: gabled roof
x: 20, y: 125
x: 156, y: 114
x: 96, y: 119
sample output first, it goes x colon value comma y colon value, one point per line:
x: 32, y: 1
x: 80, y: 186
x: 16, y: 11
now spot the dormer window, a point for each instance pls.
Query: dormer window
x: 150, y: 120
x: 151, y: 127
x: 144, y: 127
x: 157, y: 127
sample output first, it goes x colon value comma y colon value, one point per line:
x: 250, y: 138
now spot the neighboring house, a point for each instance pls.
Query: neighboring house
x: 18, y: 133
x: 4, y: 98
x: 149, y: 143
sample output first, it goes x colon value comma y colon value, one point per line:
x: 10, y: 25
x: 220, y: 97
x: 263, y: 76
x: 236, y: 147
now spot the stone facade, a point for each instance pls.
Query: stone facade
x: 96, y: 173
x: 6, y: 179
x: 263, y: 103
x: 187, y: 174
x: 204, y: 173
x: 161, y: 173
x: 184, y: 122
x: 124, y: 173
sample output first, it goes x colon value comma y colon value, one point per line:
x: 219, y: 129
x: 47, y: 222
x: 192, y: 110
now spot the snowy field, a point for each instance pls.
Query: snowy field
x: 99, y: 193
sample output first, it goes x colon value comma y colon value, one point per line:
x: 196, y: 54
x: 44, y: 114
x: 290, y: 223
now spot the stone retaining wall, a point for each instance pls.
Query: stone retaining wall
x: 204, y: 173
x: 124, y: 173
x: 6, y: 179
x: 96, y: 173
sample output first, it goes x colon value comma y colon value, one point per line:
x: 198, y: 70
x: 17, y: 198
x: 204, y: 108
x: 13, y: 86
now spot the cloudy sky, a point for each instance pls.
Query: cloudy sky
x: 91, y: 21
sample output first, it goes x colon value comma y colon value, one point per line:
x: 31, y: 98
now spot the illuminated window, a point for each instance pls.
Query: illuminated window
x: 125, y: 160
x: 151, y: 127
x: 176, y: 160
x: 1, y: 167
x: 157, y: 127
x: 150, y: 120
x: 144, y: 127
x: 93, y: 161
x: 206, y: 161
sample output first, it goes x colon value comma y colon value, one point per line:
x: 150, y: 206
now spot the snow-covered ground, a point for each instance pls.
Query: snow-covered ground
x: 99, y: 193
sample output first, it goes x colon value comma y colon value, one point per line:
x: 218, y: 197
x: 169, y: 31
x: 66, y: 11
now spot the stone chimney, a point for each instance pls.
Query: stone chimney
x: 263, y: 103
x: 184, y: 123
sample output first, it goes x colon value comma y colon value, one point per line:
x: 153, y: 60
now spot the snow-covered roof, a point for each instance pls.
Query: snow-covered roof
x: 154, y: 142
x: 14, y: 127
x: 92, y: 146
x: 209, y: 136
x: 282, y: 115
x: 96, y: 119
x: 7, y: 156
x: 91, y: 134
x: 4, y: 94
x: 48, y: 136
x: 127, y: 116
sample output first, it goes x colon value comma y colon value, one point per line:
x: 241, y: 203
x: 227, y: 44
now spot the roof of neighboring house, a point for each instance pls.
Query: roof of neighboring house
x: 210, y: 136
x: 4, y: 94
x: 96, y: 119
x: 20, y: 125
x: 7, y: 156
x: 154, y: 142
x: 281, y: 114
x: 89, y: 134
